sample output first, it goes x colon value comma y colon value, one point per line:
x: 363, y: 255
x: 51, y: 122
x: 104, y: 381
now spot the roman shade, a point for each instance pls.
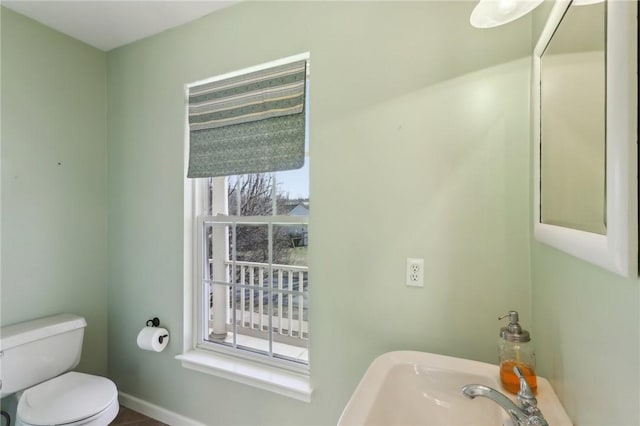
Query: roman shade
x: 251, y: 123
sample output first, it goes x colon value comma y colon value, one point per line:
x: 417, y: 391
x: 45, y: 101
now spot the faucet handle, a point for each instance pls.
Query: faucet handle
x: 525, y: 395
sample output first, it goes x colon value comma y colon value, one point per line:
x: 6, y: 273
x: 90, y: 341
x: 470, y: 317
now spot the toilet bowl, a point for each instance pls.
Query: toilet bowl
x: 35, y: 367
x: 70, y: 399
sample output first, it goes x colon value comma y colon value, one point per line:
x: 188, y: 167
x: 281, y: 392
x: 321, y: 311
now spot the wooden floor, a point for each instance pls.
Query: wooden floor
x: 128, y: 417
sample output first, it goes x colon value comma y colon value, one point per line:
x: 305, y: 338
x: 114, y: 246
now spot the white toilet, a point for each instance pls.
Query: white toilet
x: 35, y: 362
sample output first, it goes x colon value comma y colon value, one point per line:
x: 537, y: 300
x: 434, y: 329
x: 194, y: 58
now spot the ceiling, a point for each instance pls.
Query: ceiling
x: 110, y: 24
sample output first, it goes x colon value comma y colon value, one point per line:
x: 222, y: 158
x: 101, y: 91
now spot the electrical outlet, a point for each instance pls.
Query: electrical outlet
x: 415, y: 272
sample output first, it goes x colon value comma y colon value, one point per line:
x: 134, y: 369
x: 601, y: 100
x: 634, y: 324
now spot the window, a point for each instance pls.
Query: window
x: 247, y: 294
x: 253, y: 254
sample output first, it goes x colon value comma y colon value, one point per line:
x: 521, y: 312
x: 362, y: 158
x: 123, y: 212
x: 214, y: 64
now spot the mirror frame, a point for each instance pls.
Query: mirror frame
x: 617, y: 251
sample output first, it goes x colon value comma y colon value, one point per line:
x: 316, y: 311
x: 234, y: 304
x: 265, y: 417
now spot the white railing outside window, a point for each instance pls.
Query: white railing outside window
x: 289, y: 313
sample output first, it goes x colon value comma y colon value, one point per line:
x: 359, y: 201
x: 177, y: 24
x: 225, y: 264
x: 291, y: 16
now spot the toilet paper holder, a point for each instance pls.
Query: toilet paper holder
x: 155, y: 322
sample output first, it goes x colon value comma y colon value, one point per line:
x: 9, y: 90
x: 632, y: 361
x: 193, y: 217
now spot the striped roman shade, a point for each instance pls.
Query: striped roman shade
x: 252, y: 123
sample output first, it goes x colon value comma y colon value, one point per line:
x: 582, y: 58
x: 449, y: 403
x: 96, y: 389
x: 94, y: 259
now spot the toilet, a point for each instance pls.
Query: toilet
x: 36, y: 359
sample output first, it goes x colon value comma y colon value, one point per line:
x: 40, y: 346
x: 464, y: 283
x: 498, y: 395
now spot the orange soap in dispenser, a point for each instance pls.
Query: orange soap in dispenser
x: 515, y: 349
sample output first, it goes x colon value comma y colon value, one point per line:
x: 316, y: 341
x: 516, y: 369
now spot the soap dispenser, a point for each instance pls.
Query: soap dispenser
x: 516, y: 350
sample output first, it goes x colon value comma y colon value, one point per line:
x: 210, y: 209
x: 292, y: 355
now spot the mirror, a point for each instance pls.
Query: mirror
x: 572, y: 122
x: 585, y: 129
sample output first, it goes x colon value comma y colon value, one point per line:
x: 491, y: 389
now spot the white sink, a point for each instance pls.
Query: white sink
x: 419, y: 388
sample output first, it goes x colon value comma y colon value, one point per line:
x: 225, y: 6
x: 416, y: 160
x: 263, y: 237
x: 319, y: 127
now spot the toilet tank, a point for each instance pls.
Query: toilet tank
x: 37, y: 350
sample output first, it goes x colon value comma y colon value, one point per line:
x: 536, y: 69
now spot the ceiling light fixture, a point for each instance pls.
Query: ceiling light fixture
x: 491, y: 13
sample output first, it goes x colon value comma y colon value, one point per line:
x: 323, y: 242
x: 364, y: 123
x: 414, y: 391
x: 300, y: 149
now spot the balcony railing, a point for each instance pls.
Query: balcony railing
x: 265, y: 299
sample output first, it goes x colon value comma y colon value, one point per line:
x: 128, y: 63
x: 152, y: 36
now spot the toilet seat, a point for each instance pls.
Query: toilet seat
x: 72, y: 398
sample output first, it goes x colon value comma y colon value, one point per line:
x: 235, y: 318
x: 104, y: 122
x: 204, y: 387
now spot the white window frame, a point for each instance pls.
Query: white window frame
x: 285, y: 378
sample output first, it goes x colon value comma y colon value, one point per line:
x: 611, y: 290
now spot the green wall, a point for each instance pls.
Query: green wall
x: 420, y: 148
x: 54, y: 180
x: 587, y: 328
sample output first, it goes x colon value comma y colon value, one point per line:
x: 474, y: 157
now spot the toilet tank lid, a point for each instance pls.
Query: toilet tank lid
x: 29, y: 331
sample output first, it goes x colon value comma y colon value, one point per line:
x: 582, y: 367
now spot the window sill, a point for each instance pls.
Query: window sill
x: 256, y: 374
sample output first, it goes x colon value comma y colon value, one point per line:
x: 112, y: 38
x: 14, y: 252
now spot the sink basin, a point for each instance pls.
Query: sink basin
x: 419, y: 388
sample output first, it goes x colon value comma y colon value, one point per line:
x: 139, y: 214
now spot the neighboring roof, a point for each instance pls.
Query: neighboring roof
x: 299, y: 209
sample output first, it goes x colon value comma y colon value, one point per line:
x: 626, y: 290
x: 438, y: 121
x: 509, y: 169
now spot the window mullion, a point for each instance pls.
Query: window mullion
x: 270, y: 249
x: 274, y: 198
x: 203, y: 294
x: 239, y: 195
x: 258, y: 220
x: 234, y: 277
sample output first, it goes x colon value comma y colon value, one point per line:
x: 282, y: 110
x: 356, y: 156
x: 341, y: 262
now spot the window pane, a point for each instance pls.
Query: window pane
x: 216, y: 239
x: 252, y: 298
x: 290, y: 285
x: 251, y: 243
x: 217, y: 313
x: 250, y: 195
x: 294, y: 184
x: 216, y: 271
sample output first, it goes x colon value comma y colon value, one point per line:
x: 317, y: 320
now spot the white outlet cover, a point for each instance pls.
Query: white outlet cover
x: 415, y: 272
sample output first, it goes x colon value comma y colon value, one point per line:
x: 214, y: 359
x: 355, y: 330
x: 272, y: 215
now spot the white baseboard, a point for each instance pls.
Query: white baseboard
x: 155, y: 412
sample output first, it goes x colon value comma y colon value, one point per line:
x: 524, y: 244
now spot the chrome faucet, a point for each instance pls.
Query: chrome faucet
x: 527, y: 414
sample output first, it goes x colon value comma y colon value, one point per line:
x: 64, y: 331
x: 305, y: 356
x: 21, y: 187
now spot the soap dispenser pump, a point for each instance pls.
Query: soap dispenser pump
x: 516, y: 350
